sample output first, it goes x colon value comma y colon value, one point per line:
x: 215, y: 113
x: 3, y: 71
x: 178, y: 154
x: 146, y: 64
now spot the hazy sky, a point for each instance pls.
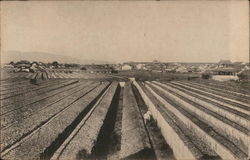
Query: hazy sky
x: 198, y: 31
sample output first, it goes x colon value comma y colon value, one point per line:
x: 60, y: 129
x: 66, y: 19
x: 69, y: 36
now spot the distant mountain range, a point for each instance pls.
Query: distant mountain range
x: 15, y: 56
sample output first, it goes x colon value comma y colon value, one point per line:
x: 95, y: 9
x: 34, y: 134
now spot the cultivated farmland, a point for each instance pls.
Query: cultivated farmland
x: 74, y: 115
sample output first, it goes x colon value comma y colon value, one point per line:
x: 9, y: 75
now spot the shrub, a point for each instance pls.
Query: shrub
x: 205, y: 76
x: 244, y: 75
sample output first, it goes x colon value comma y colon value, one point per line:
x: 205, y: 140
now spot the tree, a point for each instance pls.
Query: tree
x: 205, y: 76
x: 12, y: 63
x: 55, y: 64
x: 23, y: 62
x: 245, y: 75
x: 84, y: 68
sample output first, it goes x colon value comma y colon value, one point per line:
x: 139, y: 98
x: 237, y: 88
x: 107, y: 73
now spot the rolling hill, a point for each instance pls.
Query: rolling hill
x: 15, y: 56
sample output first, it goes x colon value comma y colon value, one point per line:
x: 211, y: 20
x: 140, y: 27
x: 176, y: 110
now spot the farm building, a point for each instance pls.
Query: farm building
x: 225, y: 63
x: 225, y: 74
x: 22, y: 67
x: 34, y: 66
x: 225, y: 71
x: 99, y: 70
x: 117, y: 67
x: 170, y: 70
x: 193, y: 69
x: 155, y: 67
x: 8, y: 66
x: 170, y: 67
x: 181, y: 69
x: 238, y: 63
x: 140, y: 66
x: 126, y: 67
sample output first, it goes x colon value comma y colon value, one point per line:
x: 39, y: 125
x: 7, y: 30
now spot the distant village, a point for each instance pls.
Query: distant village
x: 221, y: 71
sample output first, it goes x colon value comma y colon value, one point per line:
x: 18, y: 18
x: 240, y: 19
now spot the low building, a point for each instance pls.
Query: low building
x: 225, y: 63
x: 117, y: 67
x: 225, y: 71
x: 224, y: 74
x: 22, y: 67
x: 34, y: 67
x: 126, y: 67
x: 181, y: 69
x: 170, y: 70
x: 140, y: 66
x: 8, y: 66
x: 99, y: 70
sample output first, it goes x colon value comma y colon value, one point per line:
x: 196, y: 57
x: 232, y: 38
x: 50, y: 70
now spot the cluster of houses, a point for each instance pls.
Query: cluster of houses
x: 27, y: 66
x: 226, y: 70
x: 223, y: 70
x: 157, y: 66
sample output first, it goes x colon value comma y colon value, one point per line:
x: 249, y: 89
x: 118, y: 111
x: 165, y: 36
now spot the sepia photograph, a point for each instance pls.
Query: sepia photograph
x: 124, y: 80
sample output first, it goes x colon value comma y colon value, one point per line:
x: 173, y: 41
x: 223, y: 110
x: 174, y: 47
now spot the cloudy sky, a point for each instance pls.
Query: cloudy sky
x: 180, y: 31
